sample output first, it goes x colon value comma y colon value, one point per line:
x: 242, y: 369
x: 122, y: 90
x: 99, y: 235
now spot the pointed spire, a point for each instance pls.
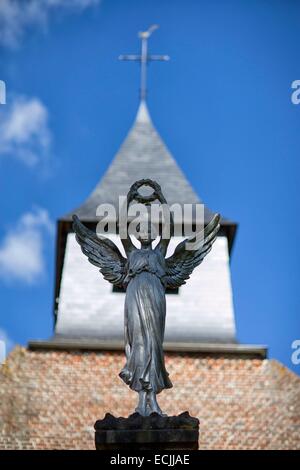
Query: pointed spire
x: 143, y: 154
x: 143, y: 115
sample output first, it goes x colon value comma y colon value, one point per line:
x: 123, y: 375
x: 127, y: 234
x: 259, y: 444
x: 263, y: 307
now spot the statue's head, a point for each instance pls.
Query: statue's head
x: 146, y: 234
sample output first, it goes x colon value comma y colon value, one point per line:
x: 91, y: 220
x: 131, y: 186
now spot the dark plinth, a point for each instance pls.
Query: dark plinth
x: 152, y: 432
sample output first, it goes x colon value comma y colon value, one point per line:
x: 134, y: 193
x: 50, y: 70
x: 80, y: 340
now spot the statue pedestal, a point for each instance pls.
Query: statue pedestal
x: 152, y: 432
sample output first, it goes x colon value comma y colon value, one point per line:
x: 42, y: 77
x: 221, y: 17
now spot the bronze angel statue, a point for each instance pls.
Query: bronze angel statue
x: 145, y: 274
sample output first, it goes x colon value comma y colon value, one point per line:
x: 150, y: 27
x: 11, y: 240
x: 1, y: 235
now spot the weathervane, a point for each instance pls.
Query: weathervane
x: 144, y: 58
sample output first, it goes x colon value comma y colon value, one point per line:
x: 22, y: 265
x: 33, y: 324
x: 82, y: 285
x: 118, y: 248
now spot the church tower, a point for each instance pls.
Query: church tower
x: 87, y: 308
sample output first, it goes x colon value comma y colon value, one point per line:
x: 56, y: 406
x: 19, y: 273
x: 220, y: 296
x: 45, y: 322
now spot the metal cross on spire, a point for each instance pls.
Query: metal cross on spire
x: 144, y: 58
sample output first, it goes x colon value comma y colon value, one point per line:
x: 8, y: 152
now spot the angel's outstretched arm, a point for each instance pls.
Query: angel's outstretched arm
x: 167, y: 232
x: 127, y: 242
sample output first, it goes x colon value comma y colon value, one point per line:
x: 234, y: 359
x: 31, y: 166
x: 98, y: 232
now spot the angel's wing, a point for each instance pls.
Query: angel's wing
x: 101, y: 252
x: 181, y: 264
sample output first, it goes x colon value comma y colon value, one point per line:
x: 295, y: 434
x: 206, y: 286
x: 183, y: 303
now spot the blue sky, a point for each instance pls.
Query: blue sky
x: 222, y: 105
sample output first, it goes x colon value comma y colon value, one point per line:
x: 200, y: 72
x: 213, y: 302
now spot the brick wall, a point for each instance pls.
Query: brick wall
x: 51, y: 399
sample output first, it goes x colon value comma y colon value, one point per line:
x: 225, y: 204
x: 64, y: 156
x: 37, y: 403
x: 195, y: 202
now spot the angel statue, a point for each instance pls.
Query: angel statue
x: 145, y: 274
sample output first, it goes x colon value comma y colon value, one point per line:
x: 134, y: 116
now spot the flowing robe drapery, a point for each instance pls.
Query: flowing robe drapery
x: 145, y: 313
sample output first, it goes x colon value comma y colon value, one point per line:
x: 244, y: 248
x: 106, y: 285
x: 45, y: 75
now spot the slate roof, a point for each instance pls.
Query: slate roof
x: 142, y: 155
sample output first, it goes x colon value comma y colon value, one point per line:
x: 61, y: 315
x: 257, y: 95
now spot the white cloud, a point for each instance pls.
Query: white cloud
x: 16, y: 16
x: 22, y: 249
x: 24, y: 132
x: 8, y: 344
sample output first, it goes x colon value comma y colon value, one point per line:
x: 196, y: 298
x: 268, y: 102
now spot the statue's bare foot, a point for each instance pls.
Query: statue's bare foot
x: 153, y: 405
x: 141, y: 411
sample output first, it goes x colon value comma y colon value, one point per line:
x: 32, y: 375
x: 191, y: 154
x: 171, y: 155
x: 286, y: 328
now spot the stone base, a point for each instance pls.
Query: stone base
x: 152, y: 432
